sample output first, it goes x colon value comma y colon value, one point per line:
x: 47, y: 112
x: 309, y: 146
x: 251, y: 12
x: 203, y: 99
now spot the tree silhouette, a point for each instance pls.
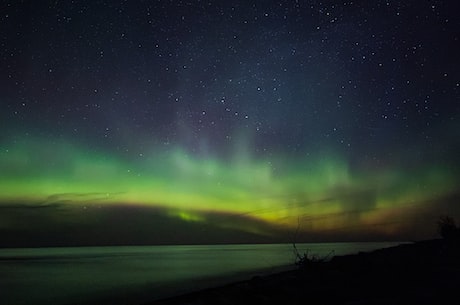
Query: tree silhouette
x: 447, y: 228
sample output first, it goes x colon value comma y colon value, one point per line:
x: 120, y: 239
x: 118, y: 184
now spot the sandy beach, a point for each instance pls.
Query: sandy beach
x: 425, y: 272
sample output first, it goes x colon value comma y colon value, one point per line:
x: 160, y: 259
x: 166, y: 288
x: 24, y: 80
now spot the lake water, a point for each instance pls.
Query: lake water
x: 138, y: 274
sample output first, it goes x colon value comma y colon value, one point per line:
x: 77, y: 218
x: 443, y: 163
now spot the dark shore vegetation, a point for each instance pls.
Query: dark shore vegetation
x: 424, y: 272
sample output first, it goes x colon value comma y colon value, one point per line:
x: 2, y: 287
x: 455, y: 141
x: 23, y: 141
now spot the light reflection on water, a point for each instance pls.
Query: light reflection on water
x: 140, y: 273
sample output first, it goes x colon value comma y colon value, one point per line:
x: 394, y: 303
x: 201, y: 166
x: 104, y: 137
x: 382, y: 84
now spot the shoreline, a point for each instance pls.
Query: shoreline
x: 423, y: 272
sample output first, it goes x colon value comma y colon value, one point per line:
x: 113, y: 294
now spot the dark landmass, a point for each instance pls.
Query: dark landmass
x: 426, y: 272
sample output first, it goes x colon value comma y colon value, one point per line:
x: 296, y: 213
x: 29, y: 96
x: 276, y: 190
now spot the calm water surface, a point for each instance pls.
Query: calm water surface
x: 113, y: 275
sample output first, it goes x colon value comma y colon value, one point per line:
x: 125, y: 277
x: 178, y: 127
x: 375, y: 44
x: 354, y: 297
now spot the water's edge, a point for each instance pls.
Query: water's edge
x: 114, y: 275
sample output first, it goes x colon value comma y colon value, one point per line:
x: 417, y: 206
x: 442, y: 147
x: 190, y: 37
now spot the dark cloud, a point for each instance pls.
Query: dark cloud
x: 79, y: 225
x: 80, y: 197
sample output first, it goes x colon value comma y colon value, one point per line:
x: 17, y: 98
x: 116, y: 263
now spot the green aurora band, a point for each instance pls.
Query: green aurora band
x: 316, y: 193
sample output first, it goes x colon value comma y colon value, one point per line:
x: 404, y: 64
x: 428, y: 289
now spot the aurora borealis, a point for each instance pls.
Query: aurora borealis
x: 190, y: 122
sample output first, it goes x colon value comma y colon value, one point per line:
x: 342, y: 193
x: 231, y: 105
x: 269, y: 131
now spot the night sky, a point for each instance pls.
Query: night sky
x: 147, y: 122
